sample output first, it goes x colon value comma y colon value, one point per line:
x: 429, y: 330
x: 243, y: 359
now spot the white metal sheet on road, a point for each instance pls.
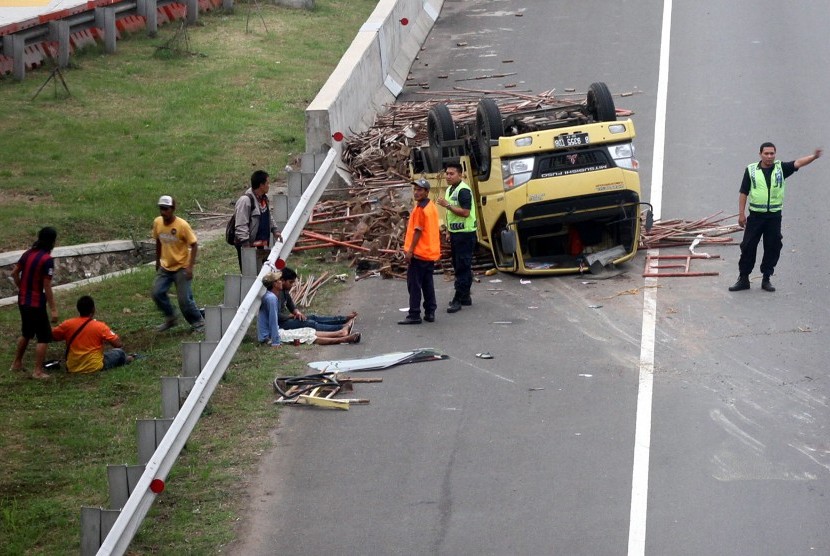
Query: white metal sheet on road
x: 533, y: 452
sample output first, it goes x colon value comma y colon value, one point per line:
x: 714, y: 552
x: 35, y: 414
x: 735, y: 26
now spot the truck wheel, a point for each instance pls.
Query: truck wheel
x: 440, y: 128
x: 601, y: 103
x: 489, y: 127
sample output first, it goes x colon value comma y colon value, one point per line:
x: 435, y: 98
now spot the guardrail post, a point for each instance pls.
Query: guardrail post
x: 217, y: 320
x: 174, y: 391
x: 279, y: 210
x: 95, y: 524
x: 195, y: 355
x: 105, y: 20
x: 59, y: 32
x: 249, y: 261
x: 122, y: 480
x: 236, y: 286
x: 192, y: 11
x: 14, y: 46
x: 149, y: 10
x: 150, y: 434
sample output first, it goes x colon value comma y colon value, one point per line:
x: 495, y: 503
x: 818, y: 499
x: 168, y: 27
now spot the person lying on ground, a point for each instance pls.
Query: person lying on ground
x: 85, y: 338
x: 268, y: 331
x: 290, y: 317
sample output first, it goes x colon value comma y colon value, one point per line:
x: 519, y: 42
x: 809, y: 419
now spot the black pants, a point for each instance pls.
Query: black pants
x: 463, y: 244
x: 419, y: 280
x: 766, y: 225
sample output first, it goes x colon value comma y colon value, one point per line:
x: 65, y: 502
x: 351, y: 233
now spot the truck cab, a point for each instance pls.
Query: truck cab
x: 556, y: 188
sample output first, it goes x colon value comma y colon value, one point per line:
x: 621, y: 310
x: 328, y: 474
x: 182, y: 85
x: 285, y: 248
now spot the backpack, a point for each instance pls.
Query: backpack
x: 230, y: 227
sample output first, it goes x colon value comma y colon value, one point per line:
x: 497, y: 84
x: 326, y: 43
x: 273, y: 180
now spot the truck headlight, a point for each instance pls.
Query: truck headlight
x: 516, y: 172
x: 623, y: 156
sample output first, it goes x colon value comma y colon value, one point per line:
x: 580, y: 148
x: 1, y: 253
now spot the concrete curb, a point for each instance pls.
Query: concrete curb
x: 11, y: 257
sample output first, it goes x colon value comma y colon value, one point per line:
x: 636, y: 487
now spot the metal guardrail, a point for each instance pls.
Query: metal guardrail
x: 155, y: 473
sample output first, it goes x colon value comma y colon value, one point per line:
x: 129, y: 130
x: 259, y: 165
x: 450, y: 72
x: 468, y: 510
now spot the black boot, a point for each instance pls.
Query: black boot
x: 465, y: 300
x: 741, y: 284
x: 766, y: 285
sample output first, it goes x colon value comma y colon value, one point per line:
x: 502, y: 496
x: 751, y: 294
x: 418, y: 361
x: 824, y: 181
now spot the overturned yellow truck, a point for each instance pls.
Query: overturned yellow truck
x: 556, y: 187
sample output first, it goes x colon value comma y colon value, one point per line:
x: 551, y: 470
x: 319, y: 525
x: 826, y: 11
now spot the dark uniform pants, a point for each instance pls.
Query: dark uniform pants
x: 419, y: 279
x: 463, y: 244
x: 766, y: 225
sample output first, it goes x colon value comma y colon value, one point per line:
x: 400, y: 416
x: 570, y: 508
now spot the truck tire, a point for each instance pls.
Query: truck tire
x: 440, y: 128
x: 489, y: 127
x: 600, y: 103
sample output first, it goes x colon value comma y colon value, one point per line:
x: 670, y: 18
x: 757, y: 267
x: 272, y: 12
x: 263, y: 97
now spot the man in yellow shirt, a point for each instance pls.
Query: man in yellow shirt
x: 85, y: 338
x: 176, y: 250
x: 422, y: 247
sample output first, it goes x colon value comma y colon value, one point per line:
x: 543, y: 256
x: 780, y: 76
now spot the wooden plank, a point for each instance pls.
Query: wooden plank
x: 323, y: 402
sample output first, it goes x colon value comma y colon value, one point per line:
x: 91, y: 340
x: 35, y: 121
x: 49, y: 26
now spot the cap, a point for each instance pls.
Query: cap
x: 165, y: 201
x: 269, y: 279
x: 422, y: 183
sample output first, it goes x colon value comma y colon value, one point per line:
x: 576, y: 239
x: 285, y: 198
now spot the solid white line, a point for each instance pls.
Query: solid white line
x: 642, y: 429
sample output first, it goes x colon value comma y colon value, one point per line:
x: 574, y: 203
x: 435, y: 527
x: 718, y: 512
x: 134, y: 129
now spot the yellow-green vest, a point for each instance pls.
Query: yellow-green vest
x: 761, y: 197
x: 457, y: 223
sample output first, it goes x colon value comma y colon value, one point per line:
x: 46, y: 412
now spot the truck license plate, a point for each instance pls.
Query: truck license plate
x: 571, y: 140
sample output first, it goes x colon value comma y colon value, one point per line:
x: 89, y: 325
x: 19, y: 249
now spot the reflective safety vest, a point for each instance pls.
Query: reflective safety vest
x: 764, y: 197
x: 457, y: 223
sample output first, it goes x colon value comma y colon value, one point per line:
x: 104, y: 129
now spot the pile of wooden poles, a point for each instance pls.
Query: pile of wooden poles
x: 305, y: 288
x: 369, y: 228
x: 681, y: 233
x: 378, y: 157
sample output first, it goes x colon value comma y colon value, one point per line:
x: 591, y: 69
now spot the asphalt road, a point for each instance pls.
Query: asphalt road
x: 532, y: 452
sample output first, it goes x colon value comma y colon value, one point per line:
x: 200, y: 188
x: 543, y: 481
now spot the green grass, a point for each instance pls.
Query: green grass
x: 93, y: 165
x: 59, y: 435
x: 136, y: 126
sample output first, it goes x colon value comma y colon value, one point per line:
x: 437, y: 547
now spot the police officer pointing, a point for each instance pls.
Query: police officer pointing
x: 764, y: 185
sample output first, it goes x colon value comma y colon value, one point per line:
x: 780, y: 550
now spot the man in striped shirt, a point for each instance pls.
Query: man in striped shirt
x: 32, y: 275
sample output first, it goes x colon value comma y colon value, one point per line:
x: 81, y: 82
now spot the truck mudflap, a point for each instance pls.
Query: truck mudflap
x: 569, y: 236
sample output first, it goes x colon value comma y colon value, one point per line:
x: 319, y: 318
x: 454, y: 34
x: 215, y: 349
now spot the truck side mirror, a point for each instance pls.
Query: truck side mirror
x: 508, y: 242
x: 649, y: 220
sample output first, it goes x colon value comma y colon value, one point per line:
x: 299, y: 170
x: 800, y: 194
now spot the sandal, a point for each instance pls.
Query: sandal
x: 353, y: 338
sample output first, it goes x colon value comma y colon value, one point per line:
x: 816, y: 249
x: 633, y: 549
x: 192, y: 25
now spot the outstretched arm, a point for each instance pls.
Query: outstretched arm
x: 805, y: 160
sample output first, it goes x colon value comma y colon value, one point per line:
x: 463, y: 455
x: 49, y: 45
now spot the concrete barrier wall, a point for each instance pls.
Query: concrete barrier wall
x: 371, y: 73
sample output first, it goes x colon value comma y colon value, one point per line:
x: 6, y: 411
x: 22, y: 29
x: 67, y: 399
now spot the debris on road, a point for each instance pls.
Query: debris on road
x: 680, y: 233
x: 319, y: 390
x: 378, y: 362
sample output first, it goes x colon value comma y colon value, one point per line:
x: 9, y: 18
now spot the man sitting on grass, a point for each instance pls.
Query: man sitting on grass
x: 85, y: 338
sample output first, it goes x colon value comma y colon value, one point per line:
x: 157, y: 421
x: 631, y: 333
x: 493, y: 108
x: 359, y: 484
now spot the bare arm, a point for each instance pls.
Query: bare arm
x: 742, y: 210
x: 194, y: 250
x: 116, y: 343
x: 50, y: 298
x: 16, y: 275
x: 805, y: 160
x: 158, y: 254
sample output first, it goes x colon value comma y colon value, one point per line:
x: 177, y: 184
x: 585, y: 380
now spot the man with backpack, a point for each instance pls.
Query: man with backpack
x: 253, y: 224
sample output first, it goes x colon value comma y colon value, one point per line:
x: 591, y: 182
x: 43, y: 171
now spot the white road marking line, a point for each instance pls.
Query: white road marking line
x: 642, y: 430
